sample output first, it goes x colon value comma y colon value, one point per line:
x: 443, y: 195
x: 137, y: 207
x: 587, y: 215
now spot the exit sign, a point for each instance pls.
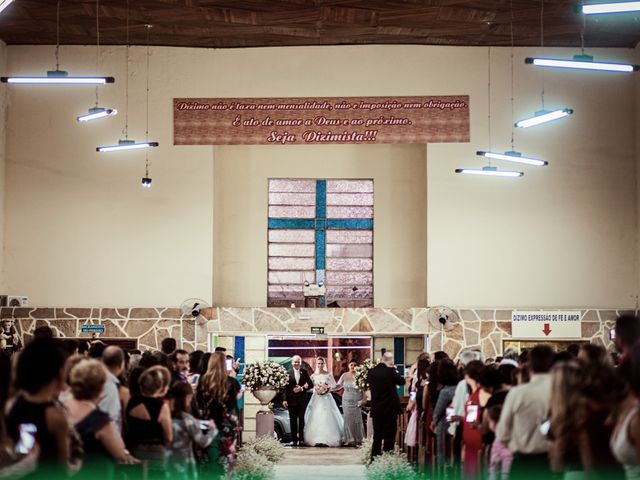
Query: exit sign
x: 317, y: 330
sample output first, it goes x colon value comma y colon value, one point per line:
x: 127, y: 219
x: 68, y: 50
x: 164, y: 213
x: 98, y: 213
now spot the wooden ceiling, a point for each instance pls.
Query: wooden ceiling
x: 258, y: 23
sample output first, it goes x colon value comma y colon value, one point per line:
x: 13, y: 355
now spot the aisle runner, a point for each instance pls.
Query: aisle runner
x: 320, y: 463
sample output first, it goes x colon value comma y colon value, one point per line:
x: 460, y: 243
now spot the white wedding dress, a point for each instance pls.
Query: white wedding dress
x: 323, y: 423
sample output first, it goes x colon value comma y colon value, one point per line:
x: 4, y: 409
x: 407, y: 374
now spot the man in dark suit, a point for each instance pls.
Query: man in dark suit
x: 296, y: 399
x: 385, y: 405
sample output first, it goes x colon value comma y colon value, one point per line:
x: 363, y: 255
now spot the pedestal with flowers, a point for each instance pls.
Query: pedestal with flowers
x: 265, y: 380
x: 361, y: 377
x: 363, y: 385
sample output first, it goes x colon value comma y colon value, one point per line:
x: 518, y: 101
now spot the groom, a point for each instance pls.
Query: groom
x: 296, y: 399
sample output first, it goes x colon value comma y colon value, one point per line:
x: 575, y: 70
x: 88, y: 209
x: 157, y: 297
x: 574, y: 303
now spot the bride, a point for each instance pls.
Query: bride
x: 324, y: 425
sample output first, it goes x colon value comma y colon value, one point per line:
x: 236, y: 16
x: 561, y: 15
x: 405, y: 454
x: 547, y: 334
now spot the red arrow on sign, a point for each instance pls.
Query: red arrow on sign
x: 546, y: 329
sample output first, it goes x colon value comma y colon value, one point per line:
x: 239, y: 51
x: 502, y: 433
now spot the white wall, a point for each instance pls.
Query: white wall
x: 560, y: 236
x: 81, y: 231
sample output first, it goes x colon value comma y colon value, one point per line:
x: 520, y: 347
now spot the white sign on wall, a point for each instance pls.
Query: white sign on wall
x: 550, y: 325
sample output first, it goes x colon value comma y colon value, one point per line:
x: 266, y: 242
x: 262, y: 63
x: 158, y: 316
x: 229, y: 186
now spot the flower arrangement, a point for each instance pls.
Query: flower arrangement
x: 361, y: 374
x: 321, y: 388
x: 256, y: 459
x: 365, y: 451
x: 391, y: 466
x: 268, y: 447
x: 265, y: 374
x: 250, y: 465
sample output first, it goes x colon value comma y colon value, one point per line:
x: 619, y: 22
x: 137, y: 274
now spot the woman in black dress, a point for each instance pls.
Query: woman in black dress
x: 39, y: 373
x: 148, y: 418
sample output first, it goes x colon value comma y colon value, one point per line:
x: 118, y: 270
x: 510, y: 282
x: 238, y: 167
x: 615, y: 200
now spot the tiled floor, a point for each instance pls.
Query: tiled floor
x: 324, y: 463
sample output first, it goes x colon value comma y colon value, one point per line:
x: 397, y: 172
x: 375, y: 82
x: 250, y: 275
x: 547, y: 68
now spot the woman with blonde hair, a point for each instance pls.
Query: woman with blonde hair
x: 101, y: 443
x: 216, y: 398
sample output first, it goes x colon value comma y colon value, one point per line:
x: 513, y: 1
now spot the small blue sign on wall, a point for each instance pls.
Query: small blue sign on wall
x: 89, y: 328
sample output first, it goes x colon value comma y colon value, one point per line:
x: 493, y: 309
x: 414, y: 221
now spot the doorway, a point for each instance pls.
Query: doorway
x: 338, y: 351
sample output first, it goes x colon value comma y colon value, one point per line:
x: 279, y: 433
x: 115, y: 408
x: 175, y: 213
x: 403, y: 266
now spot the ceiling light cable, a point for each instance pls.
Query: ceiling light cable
x: 543, y: 115
x: 512, y: 155
x: 58, y: 36
x: 488, y: 170
x: 542, y: 47
x: 512, y: 75
x: 97, y: 46
x: 97, y: 112
x: 126, y: 104
x: 126, y: 144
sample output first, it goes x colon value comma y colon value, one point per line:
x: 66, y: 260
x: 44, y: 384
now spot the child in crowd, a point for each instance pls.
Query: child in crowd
x: 187, y: 433
x: 501, y: 457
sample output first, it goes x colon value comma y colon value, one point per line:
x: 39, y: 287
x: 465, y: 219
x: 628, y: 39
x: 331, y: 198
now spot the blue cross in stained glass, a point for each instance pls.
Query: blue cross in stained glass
x: 320, y: 224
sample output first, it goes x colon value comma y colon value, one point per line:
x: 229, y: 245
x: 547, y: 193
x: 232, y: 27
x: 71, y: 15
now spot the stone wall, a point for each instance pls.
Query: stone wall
x: 482, y: 328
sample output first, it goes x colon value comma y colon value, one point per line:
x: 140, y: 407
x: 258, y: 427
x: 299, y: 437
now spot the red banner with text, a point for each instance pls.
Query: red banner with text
x: 300, y: 121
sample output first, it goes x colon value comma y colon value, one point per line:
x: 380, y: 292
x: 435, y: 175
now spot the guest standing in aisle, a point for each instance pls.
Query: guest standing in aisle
x: 385, y: 404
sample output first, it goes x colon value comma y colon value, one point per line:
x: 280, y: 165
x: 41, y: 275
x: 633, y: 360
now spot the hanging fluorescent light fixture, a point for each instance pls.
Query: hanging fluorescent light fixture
x: 57, y: 77
x: 616, y: 7
x: 582, y: 62
x: 4, y: 4
x: 126, y: 145
x: 543, y: 116
x: 515, y: 157
x: 489, y: 172
x: 96, y: 113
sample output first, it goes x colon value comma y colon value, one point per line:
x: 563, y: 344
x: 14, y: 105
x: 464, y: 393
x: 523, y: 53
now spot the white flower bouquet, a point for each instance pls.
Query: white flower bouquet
x: 321, y: 388
x: 361, y: 374
x: 265, y: 374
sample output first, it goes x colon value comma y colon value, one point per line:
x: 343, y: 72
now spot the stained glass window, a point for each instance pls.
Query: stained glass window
x: 320, y: 232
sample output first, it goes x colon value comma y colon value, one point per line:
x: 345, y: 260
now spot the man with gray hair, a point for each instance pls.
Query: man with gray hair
x: 383, y: 380
x: 296, y: 399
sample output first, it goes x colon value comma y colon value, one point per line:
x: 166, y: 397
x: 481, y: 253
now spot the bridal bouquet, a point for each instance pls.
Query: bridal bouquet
x: 361, y: 374
x: 265, y: 374
x: 321, y: 388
